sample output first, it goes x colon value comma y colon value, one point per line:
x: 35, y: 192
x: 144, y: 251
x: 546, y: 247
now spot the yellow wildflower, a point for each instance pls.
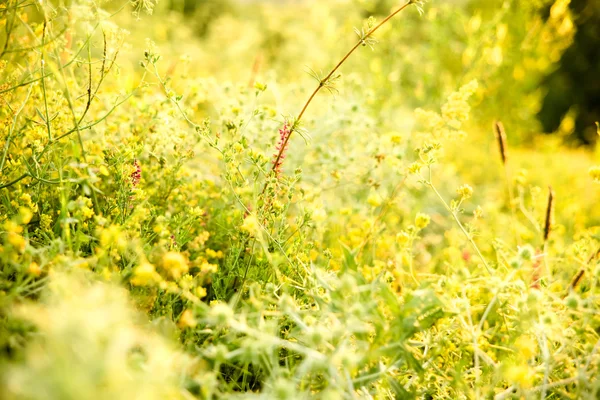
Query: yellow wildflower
x: 415, y: 167
x: 374, y: 200
x: 207, y: 268
x: 402, y: 238
x: 34, y: 269
x: 26, y: 200
x: 214, y: 254
x: 87, y: 212
x: 526, y: 346
x: 102, y: 170
x: 45, y: 222
x: 422, y: 220
x: 25, y: 215
x: 521, y: 375
x: 175, y: 264
x: 465, y: 191
x: 17, y: 241
x: 200, y: 292
x: 251, y: 225
x: 187, y: 320
x: 144, y: 274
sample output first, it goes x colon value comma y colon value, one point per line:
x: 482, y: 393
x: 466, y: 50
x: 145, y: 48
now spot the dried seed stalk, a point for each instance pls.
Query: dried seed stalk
x: 577, y: 278
x: 501, y: 137
x: 549, y: 210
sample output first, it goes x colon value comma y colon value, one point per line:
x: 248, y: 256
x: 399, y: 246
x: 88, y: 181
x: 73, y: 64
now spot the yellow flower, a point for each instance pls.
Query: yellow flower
x: 87, y: 212
x: 214, y: 254
x: 187, y: 320
x: 526, y: 346
x: 17, y: 241
x: 465, y: 191
x: 45, y: 221
x: 110, y: 236
x: 521, y: 375
x: 251, y: 225
x: 102, y: 170
x: 238, y: 148
x: 207, y: 268
x: 26, y: 199
x: 422, y: 220
x: 260, y: 86
x: 402, y: 238
x: 25, y: 215
x: 414, y: 167
x: 374, y: 200
x: 175, y: 264
x: 144, y: 274
x: 345, y: 211
x: 396, y: 138
x: 200, y: 292
x: 34, y: 269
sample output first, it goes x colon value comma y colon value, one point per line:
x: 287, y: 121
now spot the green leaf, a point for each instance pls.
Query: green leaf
x: 349, y: 258
x: 421, y: 311
x: 390, y: 298
x: 399, y: 391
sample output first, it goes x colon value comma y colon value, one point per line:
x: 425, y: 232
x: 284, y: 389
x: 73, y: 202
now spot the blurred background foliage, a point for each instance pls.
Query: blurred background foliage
x: 574, y: 86
x: 538, y: 60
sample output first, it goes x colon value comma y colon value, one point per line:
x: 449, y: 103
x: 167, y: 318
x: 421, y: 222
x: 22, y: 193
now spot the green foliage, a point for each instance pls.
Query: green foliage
x: 211, y: 225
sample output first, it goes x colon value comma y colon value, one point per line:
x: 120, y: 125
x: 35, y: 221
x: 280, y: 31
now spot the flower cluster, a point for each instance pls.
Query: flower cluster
x: 281, y: 147
x: 136, y: 174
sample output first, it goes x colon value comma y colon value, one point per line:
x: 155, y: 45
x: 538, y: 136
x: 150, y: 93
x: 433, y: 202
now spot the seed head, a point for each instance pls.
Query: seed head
x: 501, y: 137
x: 281, y: 147
x: 549, y: 210
x: 136, y: 175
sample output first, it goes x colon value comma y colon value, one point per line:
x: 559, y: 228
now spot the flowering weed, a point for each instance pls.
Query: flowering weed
x: 164, y: 234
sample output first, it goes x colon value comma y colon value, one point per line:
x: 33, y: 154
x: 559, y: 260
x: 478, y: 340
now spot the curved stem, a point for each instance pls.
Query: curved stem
x: 324, y: 80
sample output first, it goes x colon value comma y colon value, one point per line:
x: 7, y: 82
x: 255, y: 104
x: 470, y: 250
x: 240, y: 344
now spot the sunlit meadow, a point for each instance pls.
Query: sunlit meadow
x: 341, y: 199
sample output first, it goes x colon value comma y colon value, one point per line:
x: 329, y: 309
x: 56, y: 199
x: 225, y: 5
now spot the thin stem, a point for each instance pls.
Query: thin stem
x: 475, y: 343
x: 47, y: 116
x: 8, y: 30
x: 67, y: 95
x: 26, y: 49
x: 16, y: 180
x: 543, y: 343
x: 511, y: 201
x: 73, y: 59
x: 324, y: 81
x: 460, y: 225
x: 493, y: 302
x: 12, y: 129
x: 103, y: 73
